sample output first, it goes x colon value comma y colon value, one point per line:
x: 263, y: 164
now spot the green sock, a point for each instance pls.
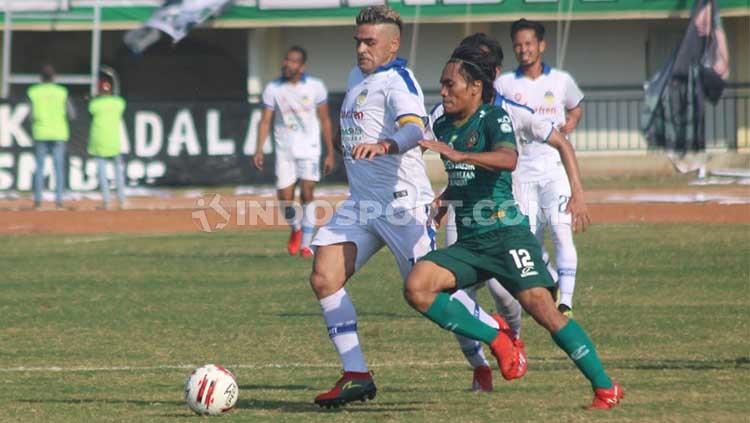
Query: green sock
x: 574, y: 341
x: 453, y: 316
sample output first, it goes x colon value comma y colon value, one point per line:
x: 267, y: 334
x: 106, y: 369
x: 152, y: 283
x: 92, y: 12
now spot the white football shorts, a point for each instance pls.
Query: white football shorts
x: 409, y: 234
x: 544, y: 201
x: 289, y: 170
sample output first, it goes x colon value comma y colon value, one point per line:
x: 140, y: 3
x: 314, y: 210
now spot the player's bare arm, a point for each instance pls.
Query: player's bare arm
x: 572, y: 117
x: 263, y: 128
x: 501, y: 158
x: 325, y: 125
x: 577, y: 203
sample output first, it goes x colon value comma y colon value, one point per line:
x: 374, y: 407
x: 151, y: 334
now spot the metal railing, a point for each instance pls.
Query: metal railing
x: 611, y: 121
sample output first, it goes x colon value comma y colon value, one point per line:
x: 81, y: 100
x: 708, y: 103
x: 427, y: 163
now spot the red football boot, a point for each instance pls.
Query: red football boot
x: 306, y: 252
x: 295, y: 239
x: 482, y: 381
x: 511, y: 360
x: 604, y: 399
x: 522, y: 358
x: 353, y: 386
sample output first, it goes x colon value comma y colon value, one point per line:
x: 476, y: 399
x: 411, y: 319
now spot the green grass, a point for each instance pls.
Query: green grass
x: 667, y: 305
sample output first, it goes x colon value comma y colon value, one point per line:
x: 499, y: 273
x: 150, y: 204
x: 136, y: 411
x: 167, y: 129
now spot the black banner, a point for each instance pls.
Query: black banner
x: 164, y: 144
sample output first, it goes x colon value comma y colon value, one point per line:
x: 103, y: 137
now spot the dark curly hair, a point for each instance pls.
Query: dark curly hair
x: 476, y: 66
x: 482, y: 40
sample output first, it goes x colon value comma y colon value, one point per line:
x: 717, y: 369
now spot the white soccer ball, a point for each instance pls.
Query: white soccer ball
x: 211, y: 390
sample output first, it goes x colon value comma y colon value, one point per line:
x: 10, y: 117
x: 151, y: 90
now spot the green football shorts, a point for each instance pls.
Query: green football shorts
x: 510, y: 254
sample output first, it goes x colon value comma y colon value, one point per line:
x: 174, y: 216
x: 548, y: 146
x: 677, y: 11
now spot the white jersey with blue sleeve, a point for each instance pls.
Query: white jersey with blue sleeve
x: 373, y: 105
x: 296, y: 128
x: 549, y: 96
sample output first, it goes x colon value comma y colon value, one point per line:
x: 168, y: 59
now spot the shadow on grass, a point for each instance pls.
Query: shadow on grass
x: 261, y: 387
x: 142, y: 403
x: 309, y: 407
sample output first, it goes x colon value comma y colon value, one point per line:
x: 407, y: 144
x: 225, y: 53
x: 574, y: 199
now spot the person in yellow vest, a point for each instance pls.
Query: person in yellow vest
x: 104, y: 139
x: 50, y: 110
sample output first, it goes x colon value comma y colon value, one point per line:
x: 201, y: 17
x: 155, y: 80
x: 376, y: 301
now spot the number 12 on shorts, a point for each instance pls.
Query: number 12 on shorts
x: 523, y: 261
x: 522, y: 258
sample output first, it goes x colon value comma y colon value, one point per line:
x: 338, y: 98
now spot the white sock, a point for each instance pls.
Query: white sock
x: 472, y: 349
x: 341, y: 319
x: 506, y: 305
x: 473, y: 307
x: 551, y: 269
x: 451, y: 232
x: 308, y: 223
x: 567, y: 262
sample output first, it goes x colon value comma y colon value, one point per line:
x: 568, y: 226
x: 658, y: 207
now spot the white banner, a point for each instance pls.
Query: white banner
x: 315, y: 4
x: 35, y: 5
x: 177, y: 17
x: 298, y: 4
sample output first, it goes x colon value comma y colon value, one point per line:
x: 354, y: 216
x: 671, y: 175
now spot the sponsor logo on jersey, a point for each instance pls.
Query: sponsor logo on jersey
x: 505, y: 124
x: 352, y: 114
x: 546, y: 110
x: 400, y: 194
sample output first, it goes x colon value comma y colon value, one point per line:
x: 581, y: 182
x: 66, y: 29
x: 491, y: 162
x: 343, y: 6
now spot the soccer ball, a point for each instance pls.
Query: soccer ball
x: 211, y: 390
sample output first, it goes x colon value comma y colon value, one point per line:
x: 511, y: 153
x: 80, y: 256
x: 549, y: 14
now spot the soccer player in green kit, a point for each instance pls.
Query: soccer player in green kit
x: 478, y: 147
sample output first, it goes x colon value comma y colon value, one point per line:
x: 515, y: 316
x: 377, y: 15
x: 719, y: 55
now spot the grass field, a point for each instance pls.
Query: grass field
x: 106, y: 328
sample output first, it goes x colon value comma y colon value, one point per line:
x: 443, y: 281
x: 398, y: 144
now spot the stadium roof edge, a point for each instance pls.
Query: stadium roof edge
x: 125, y: 18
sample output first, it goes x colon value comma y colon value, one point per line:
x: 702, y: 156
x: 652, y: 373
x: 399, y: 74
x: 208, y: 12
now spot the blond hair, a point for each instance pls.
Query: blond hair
x: 381, y: 14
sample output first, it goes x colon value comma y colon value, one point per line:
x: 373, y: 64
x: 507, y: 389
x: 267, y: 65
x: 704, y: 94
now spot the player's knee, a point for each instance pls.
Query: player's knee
x: 538, y: 302
x: 417, y: 292
x: 324, y: 283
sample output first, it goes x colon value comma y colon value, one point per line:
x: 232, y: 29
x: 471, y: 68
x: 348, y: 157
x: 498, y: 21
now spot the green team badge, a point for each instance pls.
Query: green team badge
x: 472, y: 140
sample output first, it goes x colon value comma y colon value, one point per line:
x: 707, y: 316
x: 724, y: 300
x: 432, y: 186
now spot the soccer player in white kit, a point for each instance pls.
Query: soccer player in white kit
x: 298, y: 104
x: 540, y: 183
x: 382, y: 120
x: 529, y: 128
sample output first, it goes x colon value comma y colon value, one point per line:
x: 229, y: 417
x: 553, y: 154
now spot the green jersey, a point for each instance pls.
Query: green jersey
x: 483, y: 199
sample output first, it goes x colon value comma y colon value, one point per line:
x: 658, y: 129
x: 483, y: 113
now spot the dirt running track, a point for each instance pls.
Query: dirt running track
x: 157, y: 215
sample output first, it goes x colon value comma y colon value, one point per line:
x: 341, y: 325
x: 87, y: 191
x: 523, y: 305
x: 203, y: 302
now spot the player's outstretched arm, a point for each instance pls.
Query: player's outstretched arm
x: 405, y: 139
x: 325, y: 126
x: 577, y: 203
x: 263, y: 128
x: 501, y: 158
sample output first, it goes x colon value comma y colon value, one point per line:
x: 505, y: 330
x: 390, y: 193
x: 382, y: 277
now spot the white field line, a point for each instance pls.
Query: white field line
x: 71, y: 369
